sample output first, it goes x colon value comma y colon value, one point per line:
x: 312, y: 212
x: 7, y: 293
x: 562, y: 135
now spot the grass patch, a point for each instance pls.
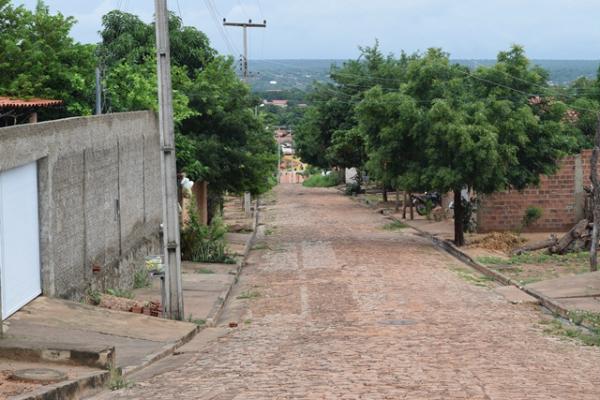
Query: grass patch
x: 204, y: 270
x: 126, y: 294
x: 472, y: 277
x: 537, y: 258
x: 261, y: 246
x: 248, y: 294
x: 322, y: 181
x: 197, y: 321
x: 395, y: 225
x: 587, y: 337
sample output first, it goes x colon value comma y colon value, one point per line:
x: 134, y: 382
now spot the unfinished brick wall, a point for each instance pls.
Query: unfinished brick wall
x: 561, y: 197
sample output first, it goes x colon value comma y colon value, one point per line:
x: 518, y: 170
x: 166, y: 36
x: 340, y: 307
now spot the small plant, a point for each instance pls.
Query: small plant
x: 248, y: 294
x: 204, y: 270
x: 94, y: 296
x: 531, y: 216
x: 126, y: 294
x: 117, y: 381
x: 395, y: 225
x: 141, y: 279
x: 202, y: 243
x: 197, y: 321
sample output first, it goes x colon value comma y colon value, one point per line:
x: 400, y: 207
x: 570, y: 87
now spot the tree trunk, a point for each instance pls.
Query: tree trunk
x: 412, y: 208
x: 385, y: 196
x: 595, y: 199
x: 459, y: 234
x: 397, y: 199
x: 404, y: 205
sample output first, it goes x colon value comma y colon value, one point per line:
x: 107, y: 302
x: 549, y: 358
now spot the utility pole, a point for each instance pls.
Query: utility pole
x: 171, y: 249
x: 98, y: 92
x: 245, y: 26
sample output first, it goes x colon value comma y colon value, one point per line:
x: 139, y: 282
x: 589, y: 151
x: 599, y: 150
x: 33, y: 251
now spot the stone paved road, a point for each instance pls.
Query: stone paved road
x: 341, y: 309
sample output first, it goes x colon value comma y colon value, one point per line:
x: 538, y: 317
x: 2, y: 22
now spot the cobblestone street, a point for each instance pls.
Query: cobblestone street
x: 335, y: 307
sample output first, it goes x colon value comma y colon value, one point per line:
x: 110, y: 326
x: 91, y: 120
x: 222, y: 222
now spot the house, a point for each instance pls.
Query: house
x: 276, y: 103
x: 14, y: 111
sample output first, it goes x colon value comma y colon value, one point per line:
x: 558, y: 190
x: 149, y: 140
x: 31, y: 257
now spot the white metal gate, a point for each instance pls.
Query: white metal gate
x: 20, y: 279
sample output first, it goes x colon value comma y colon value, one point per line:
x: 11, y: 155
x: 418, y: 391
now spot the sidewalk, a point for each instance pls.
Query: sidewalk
x: 84, y: 341
x: 572, y: 292
x: 87, y: 343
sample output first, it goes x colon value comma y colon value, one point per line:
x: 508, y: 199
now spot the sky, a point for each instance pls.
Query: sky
x: 333, y: 29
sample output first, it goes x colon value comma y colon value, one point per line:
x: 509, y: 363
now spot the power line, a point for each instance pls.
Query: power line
x: 214, y: 15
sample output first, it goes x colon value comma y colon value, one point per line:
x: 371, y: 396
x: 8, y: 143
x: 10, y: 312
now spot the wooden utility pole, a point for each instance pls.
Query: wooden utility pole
x: 595, y: 198
x: 245, y: 26
x: 171, y: 249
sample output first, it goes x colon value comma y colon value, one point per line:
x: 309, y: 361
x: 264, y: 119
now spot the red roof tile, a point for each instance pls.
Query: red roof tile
x: 21, y: 103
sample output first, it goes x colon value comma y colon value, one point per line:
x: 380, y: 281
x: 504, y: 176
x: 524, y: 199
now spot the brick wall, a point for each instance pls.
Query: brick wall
x: 561, y: 197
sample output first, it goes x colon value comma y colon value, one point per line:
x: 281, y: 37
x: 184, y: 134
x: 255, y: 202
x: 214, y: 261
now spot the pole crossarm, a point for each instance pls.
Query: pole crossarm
x: 248, y: 24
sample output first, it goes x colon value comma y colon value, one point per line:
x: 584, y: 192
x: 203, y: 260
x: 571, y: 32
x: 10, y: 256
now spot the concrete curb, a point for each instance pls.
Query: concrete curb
x: 72, y: 389
x: 217, y: 309
x: 449, y: 247
x: 165, y: 351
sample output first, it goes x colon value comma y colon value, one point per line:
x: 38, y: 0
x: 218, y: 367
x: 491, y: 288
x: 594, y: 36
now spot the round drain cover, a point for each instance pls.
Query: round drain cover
x: 39, y: 375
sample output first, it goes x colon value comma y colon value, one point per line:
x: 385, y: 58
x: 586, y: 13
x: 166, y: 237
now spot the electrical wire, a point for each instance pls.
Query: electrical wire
x: 213, y: 11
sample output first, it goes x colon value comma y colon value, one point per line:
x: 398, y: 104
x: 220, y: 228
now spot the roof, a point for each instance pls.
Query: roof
x: 29, y: 103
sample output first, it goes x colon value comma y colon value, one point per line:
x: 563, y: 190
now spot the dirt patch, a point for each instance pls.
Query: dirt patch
x: 9, y: 387
x: 498, y: 241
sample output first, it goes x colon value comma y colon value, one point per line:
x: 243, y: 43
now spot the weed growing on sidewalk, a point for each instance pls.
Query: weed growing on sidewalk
x: 395, y: 225
x: 587, y: 337
x: 249, y: 294
x: 473, y: 277
x: 126, y: 294
x: 204, y: 270
x: 117, y: 381
x: 197, y: 321
x: 537, y: 258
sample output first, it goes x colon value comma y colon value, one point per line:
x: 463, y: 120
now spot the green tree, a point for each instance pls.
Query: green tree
x: 38, y: 58
x: 218, y: 136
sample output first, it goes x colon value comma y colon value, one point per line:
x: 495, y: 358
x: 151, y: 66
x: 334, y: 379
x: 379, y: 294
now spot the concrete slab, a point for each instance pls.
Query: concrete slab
x: 137, y: 338
x: 583, y: 285
x: 516, y: 296
x: 203, y: 292
x: 591, y: 304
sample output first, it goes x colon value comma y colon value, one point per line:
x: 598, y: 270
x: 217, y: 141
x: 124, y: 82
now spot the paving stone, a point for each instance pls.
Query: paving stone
x: 334, y: 294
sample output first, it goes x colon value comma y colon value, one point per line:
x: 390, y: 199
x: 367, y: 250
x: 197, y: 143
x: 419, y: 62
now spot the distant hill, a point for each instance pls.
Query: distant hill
x: 273, y: 75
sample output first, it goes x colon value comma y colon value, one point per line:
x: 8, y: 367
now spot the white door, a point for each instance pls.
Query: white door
x: 20, y: 279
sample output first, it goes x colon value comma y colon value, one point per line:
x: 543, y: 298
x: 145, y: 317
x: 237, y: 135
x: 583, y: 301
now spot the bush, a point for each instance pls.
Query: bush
x: 531, y: 216
x: 322, y: 181
x: 353, y: 189
x: 202, y: 243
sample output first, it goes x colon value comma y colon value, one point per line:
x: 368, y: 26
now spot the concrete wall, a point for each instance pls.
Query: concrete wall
x: 99, y: 196
x: 561, y: 197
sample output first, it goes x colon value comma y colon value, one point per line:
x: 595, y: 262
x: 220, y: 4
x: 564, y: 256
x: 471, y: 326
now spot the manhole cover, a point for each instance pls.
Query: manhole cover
x: 39, y: 375
x: 397, y: 322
